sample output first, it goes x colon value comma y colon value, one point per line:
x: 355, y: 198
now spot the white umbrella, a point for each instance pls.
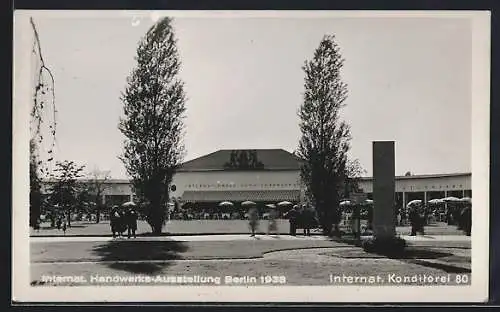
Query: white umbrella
x: 226, y: 204
x: 414, y: 202
x: 435, y: 201
x: 345, y: 203
x: 248, y: 203
x: 369, y: 201
x: 466, y: 200
x: 129, y: 204
x: 272, y: 206
x: 284, y: 203
x: 451, y: 199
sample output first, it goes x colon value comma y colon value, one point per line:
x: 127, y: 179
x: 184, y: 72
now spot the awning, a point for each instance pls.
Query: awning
x: 240, y: 196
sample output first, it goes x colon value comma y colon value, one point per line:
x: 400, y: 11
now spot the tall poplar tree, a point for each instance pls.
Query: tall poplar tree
x: 324, y: 143
x: 153, y: 122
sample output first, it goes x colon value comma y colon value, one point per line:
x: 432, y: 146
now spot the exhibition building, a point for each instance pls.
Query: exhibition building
x: 269, y: 176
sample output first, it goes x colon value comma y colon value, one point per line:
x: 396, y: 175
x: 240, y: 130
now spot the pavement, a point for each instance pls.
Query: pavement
x: 299, y: 260
x: 233, y: 237
x: 207, y: 227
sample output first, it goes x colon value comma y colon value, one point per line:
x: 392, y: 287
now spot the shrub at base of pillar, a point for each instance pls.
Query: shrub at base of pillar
x: 386, y: 245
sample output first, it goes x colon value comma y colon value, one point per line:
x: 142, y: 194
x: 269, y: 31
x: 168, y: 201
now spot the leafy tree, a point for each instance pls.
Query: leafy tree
x: 353, y: 173
x: 243, y: 160
x: 84, y: 199
x: 232, y: 163
x: 324, y: 143
x: 97, y: 184
x: 255, y: 163
x: 154, y: 108
x: 66, y: 187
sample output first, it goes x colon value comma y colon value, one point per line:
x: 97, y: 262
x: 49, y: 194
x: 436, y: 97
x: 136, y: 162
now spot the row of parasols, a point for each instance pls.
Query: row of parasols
x: 416, y: 202
x: 249, y: 204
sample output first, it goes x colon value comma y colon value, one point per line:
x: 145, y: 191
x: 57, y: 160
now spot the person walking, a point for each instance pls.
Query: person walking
x: 63, y: 226
x: 272, y: 225
x: 253, y: 219
x: 356, y: 221
x: 115, y: 220
x: 131, y: 222
x: 416, y: 220
x: 292, y: 218
x: 466, y: 219
x: 59, y: 222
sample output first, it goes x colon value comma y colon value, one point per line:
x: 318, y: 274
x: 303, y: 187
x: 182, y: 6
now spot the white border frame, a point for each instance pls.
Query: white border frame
x: 476, y: 292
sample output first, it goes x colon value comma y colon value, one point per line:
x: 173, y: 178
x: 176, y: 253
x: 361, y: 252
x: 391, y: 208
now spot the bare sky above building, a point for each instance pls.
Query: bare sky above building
x: 409, y: 80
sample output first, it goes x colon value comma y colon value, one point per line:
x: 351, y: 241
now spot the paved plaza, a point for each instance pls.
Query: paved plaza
x: 204, y: 227
x: 299, y: 260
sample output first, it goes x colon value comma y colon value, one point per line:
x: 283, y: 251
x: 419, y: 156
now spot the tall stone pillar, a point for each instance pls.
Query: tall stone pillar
x: 383, y: 190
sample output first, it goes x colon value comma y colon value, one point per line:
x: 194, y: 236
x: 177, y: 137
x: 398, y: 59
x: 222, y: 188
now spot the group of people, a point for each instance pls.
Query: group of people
x: 299, y: 217
x: 253, y: 221
x: 418, y: 219
x: 122, y: 220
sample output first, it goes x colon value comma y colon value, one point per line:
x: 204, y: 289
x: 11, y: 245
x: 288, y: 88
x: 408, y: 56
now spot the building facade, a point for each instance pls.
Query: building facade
x: 262, y: 176
x: 425, y: 187
x: 270, y: 176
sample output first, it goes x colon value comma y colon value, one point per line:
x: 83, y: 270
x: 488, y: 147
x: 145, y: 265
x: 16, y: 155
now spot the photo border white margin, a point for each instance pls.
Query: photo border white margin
x: 476, y: 292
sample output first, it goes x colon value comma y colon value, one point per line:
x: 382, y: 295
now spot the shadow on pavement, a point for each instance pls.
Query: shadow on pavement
x: 412, y: 254
x: 141, y: 252
x: 440, y: 266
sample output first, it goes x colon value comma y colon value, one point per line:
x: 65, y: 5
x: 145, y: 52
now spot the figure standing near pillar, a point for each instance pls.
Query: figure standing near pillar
x: 292, y: 218
x: 417, y: 221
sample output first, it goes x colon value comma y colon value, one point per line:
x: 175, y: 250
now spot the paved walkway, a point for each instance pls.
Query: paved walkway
x: 201, y: 227
x: 234, y: 237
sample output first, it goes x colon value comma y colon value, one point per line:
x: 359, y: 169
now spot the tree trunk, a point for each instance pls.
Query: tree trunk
x: 35, y: 210
x: 156, y: 217
x: 156, y: 221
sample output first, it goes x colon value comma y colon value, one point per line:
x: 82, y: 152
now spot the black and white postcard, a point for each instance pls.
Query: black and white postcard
x: 251, y: 156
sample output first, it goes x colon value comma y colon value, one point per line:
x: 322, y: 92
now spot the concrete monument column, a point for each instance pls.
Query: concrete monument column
x: 383, y: 190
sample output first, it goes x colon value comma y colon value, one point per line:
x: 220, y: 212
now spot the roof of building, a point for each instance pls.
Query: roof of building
x: 270, y: 159
x: 426, y: 176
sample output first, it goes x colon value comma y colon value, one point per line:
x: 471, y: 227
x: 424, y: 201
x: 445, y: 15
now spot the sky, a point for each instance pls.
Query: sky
x: 409, y: 80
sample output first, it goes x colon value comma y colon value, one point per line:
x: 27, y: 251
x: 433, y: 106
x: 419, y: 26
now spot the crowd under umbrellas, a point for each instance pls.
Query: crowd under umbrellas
x: 356, y: 215
x: 124, y: 218
x: 417, y: 213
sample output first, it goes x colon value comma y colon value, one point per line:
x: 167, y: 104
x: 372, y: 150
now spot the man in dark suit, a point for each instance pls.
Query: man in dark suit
x: 131, y: 217
x: 416, y: 220
x: 466, y: 219
x: 292, y: 218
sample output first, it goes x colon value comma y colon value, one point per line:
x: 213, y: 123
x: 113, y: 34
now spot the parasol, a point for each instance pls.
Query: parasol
x: 369, y: 201
x: 248, y: 203
x: 466, y: 200
x: 272, y: 206
x: 414, y: 203
x: 226, y: 204
x: 284, y: 203
x: 128, y: 204
x: 435, y: 201
x: 345, y: 203
x: 451, y: 199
